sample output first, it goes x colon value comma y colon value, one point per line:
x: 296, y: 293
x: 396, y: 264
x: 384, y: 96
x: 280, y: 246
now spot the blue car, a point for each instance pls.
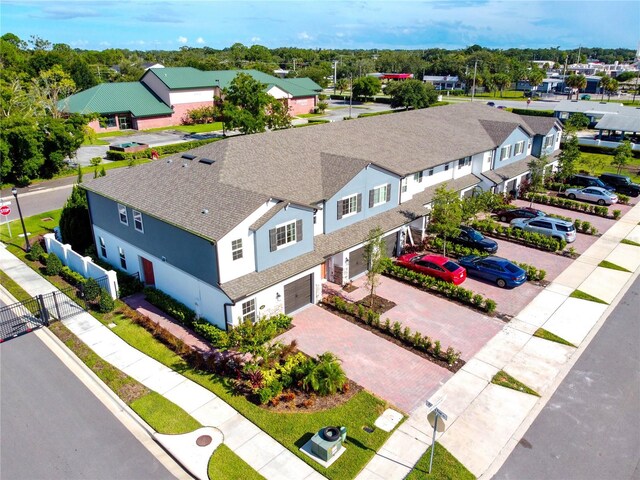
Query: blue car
x: 494, y: 269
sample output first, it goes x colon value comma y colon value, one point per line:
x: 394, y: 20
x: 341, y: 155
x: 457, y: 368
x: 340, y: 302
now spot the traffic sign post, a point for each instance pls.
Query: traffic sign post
x: 435, y: 413
x: 5, y: 210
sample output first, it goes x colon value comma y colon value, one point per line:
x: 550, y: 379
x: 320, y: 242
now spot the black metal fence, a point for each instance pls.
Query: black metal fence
x: 23, y: 317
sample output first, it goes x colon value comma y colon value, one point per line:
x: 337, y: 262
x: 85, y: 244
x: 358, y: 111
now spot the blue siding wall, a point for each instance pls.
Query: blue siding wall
x: 182, y: 249
x: 364, y: 181
x: 265, y: 258
x: 517, y: 135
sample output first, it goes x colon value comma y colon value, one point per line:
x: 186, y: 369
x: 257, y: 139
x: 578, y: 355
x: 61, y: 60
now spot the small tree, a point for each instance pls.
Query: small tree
x: 446, y: 214
x: 577, y: 121
x: 411, y: 93
x: 569, y: 157
x: 106, y: 303
x: 95, y: 161
x: 536, y: 174
x: 365, y: 87
x: 75, y: 226
x: 623, y: 155
x: 374, y: 255
x: 342, y: 84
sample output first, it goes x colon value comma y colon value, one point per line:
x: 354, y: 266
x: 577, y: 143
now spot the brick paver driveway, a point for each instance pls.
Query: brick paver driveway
x: 388, y: 371
x: 464, y: 329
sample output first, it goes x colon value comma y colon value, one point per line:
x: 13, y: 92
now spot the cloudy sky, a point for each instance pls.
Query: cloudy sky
x: 170, y: 24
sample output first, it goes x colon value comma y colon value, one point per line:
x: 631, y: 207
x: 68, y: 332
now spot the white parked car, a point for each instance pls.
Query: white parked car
x: 592, y: 194
x: 549, y: 226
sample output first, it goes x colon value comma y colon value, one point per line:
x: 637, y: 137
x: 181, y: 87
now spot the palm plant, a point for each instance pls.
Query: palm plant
x: 327, y: 377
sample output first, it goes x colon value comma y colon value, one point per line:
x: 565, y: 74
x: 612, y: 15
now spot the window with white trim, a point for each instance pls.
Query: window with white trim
x: 557, y: 137
x: 505, y: 152
x: 103, y: 247
x: 463, y: 162
x: 122, y: 212
x: 519, y: 147
x: 446, y: 167
x: 349, y: 205
x: 137, y: 221
x: 403, y: 185
x: 548, y: 141
x: 249, y: 310
x: 379, y: 195
x: 123, y: 258
x: 417, y: 177
x: 236, y: 249
x: 430, y: 173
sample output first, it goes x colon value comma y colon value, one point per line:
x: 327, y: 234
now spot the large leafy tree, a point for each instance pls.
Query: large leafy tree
x: 366, y: 87
x: 75, y: 226
x: 446, y: 214
x: 411, y: 94
x: 502, y: 81
x: 535, y: 77
x: 247, y: 107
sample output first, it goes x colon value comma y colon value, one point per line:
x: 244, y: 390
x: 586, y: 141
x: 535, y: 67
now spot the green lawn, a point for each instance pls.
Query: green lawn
x: 445, y: 467
x: 163, y: 415
x: 291, y: 429
x: 310, y: 115
x: 585, y: 296
x: 13, y: 288
x: 202, y: 128
x: 612, y: 266
x: 226, y: 465
x: 597, y: 163
x: 547, y: 335
x: 35, y: 225
x: 503, y: 379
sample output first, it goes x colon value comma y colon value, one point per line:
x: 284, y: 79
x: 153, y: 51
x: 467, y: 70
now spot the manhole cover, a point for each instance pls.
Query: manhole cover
x: 368, y: 429
x: 203, y: 440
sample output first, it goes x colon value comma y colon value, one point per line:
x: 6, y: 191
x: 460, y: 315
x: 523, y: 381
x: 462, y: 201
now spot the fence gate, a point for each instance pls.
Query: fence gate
x: 23, y: 317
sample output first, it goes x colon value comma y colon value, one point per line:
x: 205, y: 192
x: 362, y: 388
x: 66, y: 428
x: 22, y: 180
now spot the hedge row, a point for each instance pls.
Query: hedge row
x: 601, y: 211
x: 557, y: 186
x: 604, y: 150
x: 532, y: 112
x: 449, y: 290
x: 396, y: 330
x: 530, y: 239
x: 455, y: 250
x: 162, y: 150
x: 583, y: 226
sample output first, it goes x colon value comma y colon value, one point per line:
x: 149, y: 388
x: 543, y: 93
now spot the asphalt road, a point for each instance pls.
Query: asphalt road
x: 53, y: 427
x: 590, y: 428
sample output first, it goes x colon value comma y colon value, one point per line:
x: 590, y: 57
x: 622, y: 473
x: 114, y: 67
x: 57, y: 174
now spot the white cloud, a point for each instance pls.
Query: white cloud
x: 255, y: 39
x: 304, y: 36
x: 183, y: 40
x: 104, y: 44
x: 200, y: 40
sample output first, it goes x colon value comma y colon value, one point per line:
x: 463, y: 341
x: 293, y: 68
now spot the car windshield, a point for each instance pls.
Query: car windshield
x: 511, y: 267
x: 451, y: 266
x: 475, y: 235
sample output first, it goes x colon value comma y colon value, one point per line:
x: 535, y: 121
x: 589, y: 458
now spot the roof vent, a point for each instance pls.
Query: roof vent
x: 184, y: 165
x: 207, y: 161
x: 188, y: 156
x: 205, y: 211
x: 169, y: 161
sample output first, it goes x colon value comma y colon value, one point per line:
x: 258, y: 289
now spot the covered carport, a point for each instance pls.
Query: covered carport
x: 618, y: 125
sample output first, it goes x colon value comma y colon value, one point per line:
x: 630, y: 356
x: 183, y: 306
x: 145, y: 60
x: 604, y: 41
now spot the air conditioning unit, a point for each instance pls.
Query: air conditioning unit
x: 328, y: 441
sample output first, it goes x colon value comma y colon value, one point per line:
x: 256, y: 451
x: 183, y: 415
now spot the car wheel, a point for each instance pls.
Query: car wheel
x: 503, y: 218
x: 571, y: 196
x: 559, y: 239
x: 501, y: 283
x: 601, y: 202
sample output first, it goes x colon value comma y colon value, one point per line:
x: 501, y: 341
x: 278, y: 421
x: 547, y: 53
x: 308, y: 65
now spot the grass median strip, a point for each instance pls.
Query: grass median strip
x: 445, y: 467
x: 612, y: 266
x: 547, y: 335
x: 13, y: 288
x: 237, y: 469
x: 503, y: 379
x: 585, y: 296
x: 630, y: 242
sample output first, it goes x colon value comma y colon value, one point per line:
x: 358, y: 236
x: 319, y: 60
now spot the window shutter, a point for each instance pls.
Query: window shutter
x: 359, y: 209
x: 371, y: 192
x: 389, y: 192
x: 298, y: 230
x: 272, y: 240
x: 339, y: 209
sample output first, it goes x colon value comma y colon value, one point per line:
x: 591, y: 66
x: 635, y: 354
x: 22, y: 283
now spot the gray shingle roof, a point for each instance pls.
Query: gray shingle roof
x: 303, y: 166
x: 328, y: 245
x: 589, y: 107
x: 623, y: 123
x: 541, y: 125
x: 512, y: 170
x: 499, y: 131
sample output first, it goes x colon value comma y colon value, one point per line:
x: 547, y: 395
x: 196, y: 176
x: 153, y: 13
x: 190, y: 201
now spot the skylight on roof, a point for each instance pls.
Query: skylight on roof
x: 208, y: 161
x: 188, y: 156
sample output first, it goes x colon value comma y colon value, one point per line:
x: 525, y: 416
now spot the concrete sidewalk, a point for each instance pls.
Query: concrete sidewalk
x: 268, y: 457
x: 486, y: 421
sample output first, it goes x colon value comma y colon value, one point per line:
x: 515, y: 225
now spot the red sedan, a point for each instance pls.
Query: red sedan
x: 435, y: 266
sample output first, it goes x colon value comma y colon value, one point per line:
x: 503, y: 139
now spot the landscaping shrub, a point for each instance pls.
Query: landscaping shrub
x: 568, y: 204
x: 490, y: 305
x: 36, y: 252
x: 53, y: 265
x: 623, y: 199
x: 91, y: 290
x: 250, y: 337
x: 72, y: 277
x: 616, y: 214
x: 106, y: 302
x: 532, y: 239
x: 214, y: 335
x: 327, y: 376
x: 532, y: 112
x: 171, y: 306
x: 162, y: 150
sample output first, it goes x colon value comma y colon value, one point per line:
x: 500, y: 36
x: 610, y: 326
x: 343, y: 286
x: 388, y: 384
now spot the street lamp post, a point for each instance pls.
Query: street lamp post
x: 14, y: 191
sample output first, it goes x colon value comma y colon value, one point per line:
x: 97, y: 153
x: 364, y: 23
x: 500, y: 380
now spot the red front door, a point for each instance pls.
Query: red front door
x: 147, y: 269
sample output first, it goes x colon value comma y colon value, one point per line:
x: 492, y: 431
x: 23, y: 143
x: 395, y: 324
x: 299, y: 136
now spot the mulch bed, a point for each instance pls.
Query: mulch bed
x: 380, y: 305
x: 308, y: 402
x: 390, y: 338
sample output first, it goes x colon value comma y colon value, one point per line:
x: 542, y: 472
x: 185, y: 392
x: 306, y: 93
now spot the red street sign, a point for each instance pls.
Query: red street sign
x: 5, y: 210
